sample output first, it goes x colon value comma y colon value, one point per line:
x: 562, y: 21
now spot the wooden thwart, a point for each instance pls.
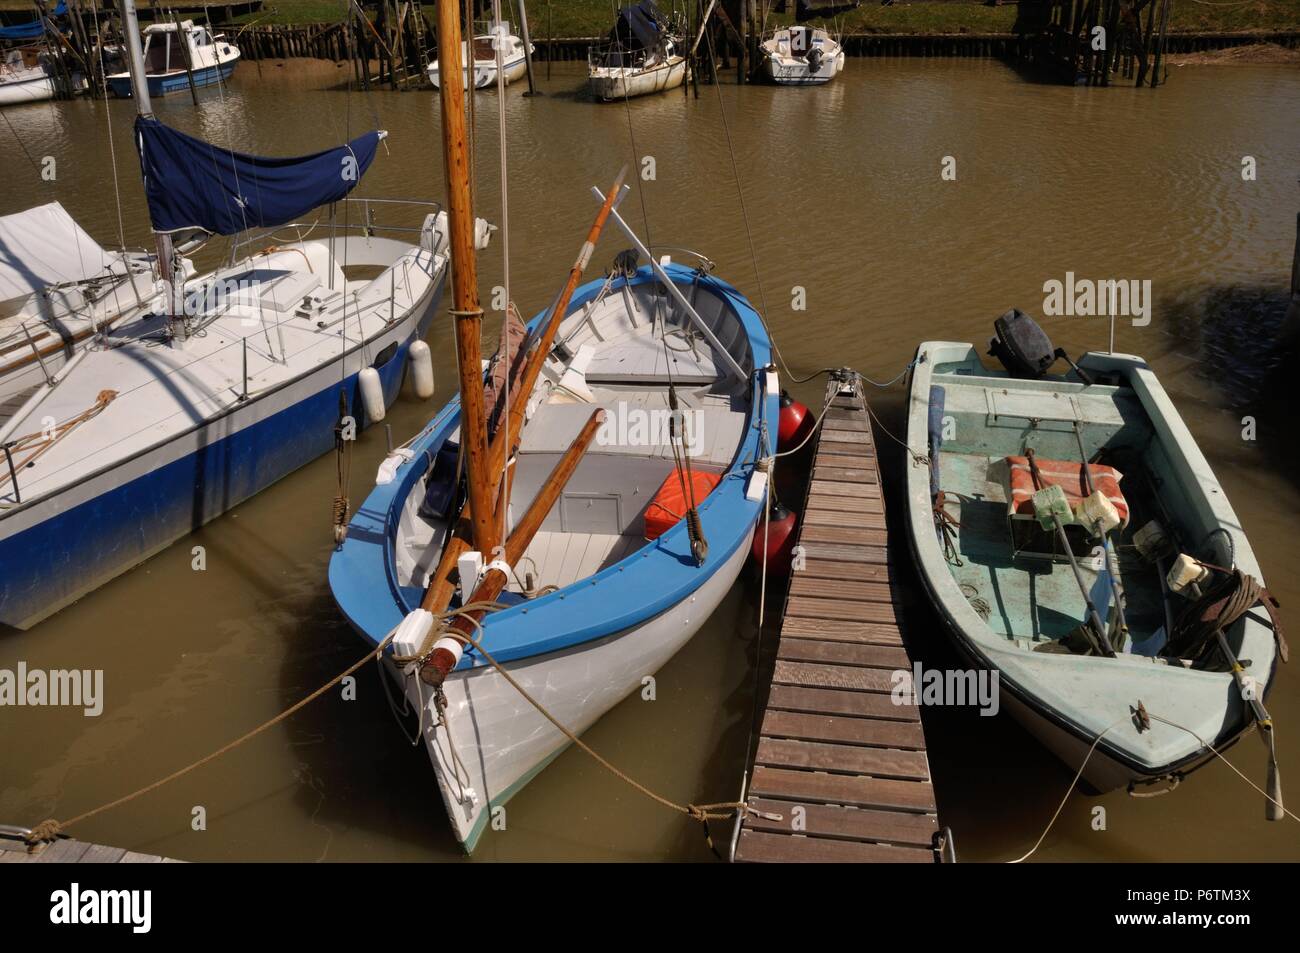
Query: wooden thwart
x: 841, y: 773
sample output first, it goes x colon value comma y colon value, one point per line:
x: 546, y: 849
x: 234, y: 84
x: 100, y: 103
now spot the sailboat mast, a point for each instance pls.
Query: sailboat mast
x: 467, y: 313
x: 144, y: 107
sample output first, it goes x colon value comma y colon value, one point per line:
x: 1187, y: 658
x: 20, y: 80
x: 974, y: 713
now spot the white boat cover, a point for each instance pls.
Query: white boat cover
x: 44, y: 246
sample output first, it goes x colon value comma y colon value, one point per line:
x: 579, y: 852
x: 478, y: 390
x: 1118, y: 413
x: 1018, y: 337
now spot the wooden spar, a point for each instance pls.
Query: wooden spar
x: 468, y: 314
x: 444, y: 656
x: 438, y: 593
x: 506, y: 439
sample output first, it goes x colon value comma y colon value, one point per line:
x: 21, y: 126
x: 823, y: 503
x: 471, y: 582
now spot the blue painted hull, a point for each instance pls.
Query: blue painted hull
x: 363, y: 578
x: 174, y: 82
x: 79, y: 547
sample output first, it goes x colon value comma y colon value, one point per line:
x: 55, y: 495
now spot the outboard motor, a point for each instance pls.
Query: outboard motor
x: 814, y: 60
x: 1024, y: 349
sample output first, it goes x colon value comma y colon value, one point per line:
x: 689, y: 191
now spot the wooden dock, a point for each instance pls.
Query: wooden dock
x: 13, y: 850
x: 840, y: 764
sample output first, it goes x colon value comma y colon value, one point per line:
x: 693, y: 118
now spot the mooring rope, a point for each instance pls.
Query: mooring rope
x: 51, y: 828
x: 1097, y: 740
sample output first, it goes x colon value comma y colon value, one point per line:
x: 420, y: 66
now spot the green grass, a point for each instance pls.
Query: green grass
x: 579, y: 18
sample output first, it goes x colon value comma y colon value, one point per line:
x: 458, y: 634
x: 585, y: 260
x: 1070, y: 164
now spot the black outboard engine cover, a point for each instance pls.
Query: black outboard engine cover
x: 814, y: 60
x: 1021, y: 345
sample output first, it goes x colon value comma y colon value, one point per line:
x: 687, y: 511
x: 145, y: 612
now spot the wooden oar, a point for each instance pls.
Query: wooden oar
x: 1094, y: 618
x: 506, y: 439
x: 1273, y: 808
x: 1111, y: 567
x: 447, y: 651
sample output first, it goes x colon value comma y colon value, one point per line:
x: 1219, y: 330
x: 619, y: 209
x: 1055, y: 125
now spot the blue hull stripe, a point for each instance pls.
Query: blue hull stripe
x: 175, y: 82
x: 620, y: 597
x: 57, y: 560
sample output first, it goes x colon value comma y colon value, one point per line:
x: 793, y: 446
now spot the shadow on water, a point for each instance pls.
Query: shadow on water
x: 356, y: 768
x: 1246, y: 347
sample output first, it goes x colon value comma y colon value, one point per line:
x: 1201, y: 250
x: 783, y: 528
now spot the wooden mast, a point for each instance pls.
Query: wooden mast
x: 506, y: 440
x: 468, y: 315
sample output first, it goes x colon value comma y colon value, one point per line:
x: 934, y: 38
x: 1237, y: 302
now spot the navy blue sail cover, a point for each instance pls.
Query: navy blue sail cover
x: 191, y: 184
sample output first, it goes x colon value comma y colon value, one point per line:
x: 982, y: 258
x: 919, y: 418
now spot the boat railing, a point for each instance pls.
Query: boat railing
x: 367, y: 226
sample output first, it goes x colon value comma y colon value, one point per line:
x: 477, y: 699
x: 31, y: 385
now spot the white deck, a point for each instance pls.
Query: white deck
x: 165, y: 390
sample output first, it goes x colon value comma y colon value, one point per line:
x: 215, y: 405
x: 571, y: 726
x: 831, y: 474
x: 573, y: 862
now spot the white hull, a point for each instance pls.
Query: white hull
x: 32, y: 90
x: 503, y: 741
x: 796, y: 73
x: 615, y: 83
x: 801, y: 56
x: 514, y: 67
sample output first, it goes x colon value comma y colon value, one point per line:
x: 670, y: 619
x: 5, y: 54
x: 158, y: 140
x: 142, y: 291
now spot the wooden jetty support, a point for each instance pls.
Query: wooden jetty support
x: 13, y: 850
x: 841, y: 765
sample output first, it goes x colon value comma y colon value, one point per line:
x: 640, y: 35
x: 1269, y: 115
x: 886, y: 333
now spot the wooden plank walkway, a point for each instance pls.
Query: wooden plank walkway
x: 843, y: 766
x: 66, y: 851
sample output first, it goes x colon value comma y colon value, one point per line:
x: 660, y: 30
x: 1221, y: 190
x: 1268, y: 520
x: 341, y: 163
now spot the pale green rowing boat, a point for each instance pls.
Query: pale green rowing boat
x: 1017, y: 606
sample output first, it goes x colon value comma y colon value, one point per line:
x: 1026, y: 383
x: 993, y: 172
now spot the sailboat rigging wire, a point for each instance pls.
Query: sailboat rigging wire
x: 498, y: 44
x: 22, y: 145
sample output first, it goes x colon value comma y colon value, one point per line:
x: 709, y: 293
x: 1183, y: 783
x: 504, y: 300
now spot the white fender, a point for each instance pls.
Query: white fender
x: 372, y: 394
x: 421, y: 370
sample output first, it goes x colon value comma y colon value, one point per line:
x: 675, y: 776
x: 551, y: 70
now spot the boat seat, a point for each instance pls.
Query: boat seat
x: 1018, y: 481
x: 715, y: 431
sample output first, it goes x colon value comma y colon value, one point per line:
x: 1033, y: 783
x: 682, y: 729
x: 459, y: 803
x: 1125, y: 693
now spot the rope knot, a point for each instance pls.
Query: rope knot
x: 46, y: 830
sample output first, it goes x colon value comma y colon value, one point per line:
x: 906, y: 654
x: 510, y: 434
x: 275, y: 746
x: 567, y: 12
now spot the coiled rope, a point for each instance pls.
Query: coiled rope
x: 41, y: 442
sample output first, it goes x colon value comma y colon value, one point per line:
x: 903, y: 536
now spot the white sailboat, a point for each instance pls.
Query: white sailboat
x: 642, y: 55
x: 30, y: 76
x: 223, y: 383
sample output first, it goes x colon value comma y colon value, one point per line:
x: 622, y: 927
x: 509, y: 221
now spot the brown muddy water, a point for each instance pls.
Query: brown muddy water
x: 845, y: 200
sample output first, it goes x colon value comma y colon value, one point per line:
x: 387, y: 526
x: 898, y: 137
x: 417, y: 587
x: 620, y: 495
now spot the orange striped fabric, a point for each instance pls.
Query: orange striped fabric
x: 1069, y: 477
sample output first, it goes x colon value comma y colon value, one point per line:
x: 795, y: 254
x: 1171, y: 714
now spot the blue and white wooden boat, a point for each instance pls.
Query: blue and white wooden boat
x: 603, y: 607
x: 212, y: 59
x: 1009, y: 598
x: 221, y: 384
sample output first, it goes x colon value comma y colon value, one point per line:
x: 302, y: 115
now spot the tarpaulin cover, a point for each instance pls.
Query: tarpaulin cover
x: 43, y: 246
x: 31, y: 29
x: 190, y: 183
x: 639, y: 21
